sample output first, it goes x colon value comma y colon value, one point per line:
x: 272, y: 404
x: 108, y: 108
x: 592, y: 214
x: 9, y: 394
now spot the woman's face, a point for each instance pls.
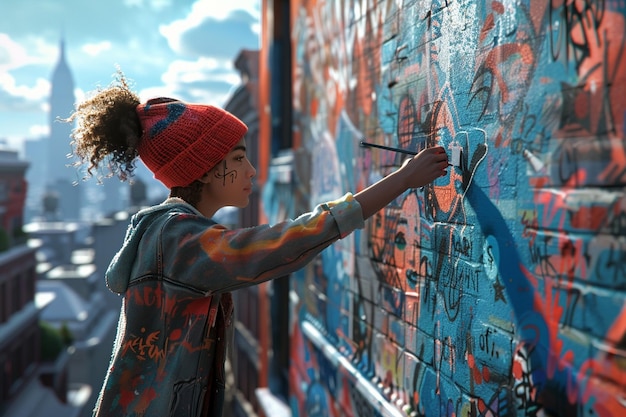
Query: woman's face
x: 229, y: 183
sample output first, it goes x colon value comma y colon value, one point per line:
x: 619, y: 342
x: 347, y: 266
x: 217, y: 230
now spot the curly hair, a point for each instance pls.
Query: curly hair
x: 108, y: 130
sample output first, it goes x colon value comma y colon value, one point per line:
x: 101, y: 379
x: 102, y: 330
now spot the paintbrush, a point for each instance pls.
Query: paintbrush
x: 387, y: 148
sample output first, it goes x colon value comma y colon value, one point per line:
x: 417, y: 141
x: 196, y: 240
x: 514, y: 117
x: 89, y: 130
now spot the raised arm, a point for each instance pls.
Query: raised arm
x: 417, y: 171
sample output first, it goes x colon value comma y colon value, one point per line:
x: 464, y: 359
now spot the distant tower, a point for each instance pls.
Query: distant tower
x: 61, y: 106
x: 60, y: 177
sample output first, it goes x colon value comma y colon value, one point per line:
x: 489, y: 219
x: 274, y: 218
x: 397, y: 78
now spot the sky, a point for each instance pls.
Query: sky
x: 177, y: 48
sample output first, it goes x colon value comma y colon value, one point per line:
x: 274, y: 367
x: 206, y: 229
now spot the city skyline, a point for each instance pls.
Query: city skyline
x: 163, y: 47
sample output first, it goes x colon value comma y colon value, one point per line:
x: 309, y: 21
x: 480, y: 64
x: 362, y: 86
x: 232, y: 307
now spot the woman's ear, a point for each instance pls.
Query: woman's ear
x: 206, y: 178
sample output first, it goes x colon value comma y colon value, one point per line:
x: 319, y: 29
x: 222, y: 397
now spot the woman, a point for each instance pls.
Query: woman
x: 177, y: 267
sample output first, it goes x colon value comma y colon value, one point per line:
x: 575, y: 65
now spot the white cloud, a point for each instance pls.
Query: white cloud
x: 37, y: 131
x: 214, y: 28
x: 192, y: 71
x: 79, y: 95
x: 219, y: 10
x: 26, y: 94
x: 206, y: 80
x: 154, y: 4
x: 94, y: 49
x: 12, y: 54
x: 31, y: 50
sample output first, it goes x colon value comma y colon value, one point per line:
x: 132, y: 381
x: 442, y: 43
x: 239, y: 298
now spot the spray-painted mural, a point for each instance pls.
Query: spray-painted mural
x: 500, y: 289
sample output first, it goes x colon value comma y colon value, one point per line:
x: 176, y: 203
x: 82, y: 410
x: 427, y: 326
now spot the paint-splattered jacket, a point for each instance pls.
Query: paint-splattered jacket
x: 176, y: 270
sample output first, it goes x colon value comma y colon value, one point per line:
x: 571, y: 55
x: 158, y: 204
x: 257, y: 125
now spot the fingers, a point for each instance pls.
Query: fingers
x: 429, y: 164
x: 444, y: 167
x: 438, y: 151
x: 439, y: 161
x: 442, y: 163
x: 440, y: 154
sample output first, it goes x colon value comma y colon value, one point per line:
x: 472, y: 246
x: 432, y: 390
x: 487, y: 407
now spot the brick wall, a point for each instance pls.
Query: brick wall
x: 499, y: 290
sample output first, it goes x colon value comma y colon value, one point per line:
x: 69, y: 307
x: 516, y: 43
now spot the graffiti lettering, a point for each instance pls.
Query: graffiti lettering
x: 617, y: 224
x: 488, y: 345
x: 426, y: 268
x: 148, y: 296
x: 456, y: 281
x: 145, y: 347
x: 611, y: 262
x: 567, y: 28
x: 461, y: 246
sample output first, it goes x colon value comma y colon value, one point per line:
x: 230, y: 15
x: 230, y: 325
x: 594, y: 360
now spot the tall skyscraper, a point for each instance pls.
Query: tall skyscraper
x: 61, y: 105
x: 60, y: 178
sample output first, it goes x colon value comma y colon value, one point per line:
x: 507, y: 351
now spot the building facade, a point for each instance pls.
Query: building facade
x: 13, y: 190
x: 31, y: 384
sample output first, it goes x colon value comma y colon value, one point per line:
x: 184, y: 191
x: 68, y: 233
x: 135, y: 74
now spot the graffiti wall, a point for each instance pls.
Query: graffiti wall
x: 500, y: 289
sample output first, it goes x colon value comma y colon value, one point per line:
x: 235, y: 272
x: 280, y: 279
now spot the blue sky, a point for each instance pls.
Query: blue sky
x: 179, y: 48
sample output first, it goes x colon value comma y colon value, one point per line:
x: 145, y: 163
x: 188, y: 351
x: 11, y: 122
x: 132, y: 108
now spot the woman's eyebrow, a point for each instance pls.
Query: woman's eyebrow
x: 239, y: 148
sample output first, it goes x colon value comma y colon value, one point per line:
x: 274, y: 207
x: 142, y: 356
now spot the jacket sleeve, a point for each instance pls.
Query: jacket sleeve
x: 215, y: 259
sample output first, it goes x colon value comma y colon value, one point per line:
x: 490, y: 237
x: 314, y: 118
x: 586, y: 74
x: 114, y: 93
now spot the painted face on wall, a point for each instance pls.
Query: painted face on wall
x: 229, y: 183
x: 407, y: 240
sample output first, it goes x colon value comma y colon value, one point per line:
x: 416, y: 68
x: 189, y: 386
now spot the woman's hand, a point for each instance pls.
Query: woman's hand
x: 425, y: 167
x: 422, y: 169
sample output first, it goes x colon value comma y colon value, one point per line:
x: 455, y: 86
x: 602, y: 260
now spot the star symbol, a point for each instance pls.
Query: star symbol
x: 499, y: 288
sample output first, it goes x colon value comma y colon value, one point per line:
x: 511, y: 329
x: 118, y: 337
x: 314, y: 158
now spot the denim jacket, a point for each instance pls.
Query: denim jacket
x: 175, y: 271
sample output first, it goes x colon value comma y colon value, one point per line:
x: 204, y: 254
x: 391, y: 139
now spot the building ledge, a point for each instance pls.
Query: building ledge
x: 344, y: 367
x: 270, y: 404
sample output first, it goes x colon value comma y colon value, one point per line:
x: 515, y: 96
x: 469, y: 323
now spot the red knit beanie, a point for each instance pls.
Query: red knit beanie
x: 181, y: 142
